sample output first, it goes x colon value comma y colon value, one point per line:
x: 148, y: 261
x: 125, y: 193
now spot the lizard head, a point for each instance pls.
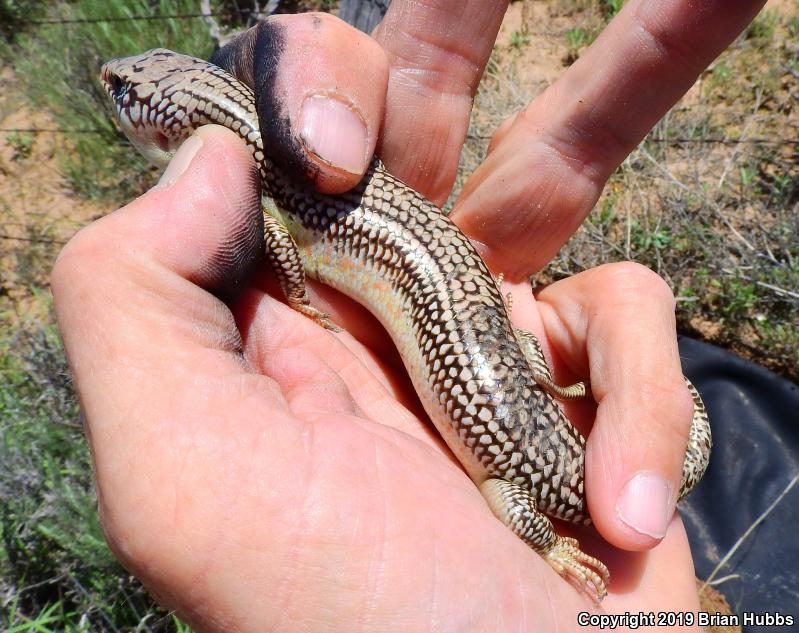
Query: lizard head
x: 154, y: 95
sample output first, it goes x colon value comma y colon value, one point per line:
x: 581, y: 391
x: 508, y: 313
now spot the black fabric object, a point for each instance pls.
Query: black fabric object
x: 754, y: 416
x: 363, y: 14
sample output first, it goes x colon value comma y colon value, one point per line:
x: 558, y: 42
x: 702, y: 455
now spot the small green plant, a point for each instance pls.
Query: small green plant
x: 576, y: 38
x: 779, y: 336
x: 720, y: 74
x: 763, y: 26
x: 607, y: 211
x: 643, y: 238
x: 22, y: 145
x: 611, y: 7
x: 748, y: 175
x: 519, y: 39
x: 782, y: 188
x: 793, y: 26
x: 739, y: 298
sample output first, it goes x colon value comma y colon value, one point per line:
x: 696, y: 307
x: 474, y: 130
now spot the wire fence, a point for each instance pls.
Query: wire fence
x: 44, y: 130
x: 212, y: 14
x: 35, y: 240
x: 129, y: 18
x: 683, y: 141
x: 651, y: 139
x: 253, y: 12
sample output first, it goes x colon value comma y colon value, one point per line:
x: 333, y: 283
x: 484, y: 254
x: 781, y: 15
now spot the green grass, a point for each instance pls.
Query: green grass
x: 519, y: 39
x: 22, y: 144
x: 576, y: 38
x: 763, y: 26
x: 59, y: 65
x: 611, y: 7
x: 56, y: 571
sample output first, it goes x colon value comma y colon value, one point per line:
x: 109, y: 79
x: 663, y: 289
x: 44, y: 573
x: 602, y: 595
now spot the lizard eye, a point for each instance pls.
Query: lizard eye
x: 117, y: 85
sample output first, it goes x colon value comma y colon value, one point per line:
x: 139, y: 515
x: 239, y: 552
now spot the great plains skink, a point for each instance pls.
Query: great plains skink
x: 484, y: 384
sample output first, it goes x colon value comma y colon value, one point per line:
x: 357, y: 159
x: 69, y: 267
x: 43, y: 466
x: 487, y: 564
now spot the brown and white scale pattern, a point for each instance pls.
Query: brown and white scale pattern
x: 388, y: 248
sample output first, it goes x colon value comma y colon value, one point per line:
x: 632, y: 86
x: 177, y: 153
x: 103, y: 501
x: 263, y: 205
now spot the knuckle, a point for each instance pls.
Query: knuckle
x: 330, y: 27
x: 667, y: 44
x: 82, y: 254
x: 671, y: 405
x: 588, y: 151
x: 636, y: 280
x: 370, y: 46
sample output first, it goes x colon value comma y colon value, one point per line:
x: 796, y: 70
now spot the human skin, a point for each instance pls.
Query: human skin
x: 258, y: 472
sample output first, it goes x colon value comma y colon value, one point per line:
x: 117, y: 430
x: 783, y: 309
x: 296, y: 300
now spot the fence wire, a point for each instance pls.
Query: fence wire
x: 653, y: 139
x: 131, y: 18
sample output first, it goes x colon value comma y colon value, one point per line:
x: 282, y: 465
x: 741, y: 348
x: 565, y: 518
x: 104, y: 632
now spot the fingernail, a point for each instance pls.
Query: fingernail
x: 645, y: 504
x: 180, y: 161
x: 334, y: 132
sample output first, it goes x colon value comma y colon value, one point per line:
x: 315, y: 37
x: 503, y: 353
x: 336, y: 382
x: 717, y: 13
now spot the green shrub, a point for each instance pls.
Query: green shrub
x: 56, y: 571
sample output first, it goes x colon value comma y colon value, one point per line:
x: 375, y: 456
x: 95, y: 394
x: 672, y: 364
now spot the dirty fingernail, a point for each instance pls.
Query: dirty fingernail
x: 180, y: 161
x: 645, y: 504
x: 335, y: 133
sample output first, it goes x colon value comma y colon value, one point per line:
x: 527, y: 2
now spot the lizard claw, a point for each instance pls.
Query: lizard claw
x: 317, y: 316
x: 566, y: 558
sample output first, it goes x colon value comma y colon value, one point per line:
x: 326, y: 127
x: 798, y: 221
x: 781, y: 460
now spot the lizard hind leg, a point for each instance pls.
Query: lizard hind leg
x: 541, y: 373
x: 515, y: 506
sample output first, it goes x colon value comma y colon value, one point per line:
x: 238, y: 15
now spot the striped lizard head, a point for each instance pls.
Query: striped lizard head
x: 161, y: 97
x: 145, y: 92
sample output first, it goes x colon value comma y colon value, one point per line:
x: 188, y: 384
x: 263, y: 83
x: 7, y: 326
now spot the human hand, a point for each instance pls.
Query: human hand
x: 247, y: 480
x: 257, y: 472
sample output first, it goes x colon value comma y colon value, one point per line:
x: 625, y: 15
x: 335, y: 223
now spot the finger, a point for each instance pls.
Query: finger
x: 320, y: 90
x: 310, y: 386
x: 201, y: 224
x: 616, y: 324
x: 659, y: 580
x: 437, y: 52
x: 552, y: 161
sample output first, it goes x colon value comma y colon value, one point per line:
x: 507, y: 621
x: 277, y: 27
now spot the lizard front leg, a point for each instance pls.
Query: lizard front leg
x: 284, y: 257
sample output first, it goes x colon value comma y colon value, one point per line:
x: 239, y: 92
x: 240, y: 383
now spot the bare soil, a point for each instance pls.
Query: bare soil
x: 38, y: 212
